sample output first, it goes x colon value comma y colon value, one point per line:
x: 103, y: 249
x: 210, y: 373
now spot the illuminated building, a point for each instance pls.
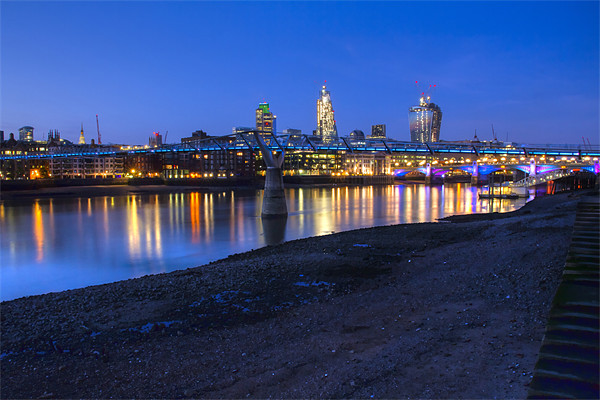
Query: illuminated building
x: 155, y: 140
x: 326, y: 128
x: 87, y: 166
x: 265, y: 120
x: 26, y: 133
x: 367, y: 163
x: 378, y: 132
x: 81, y: 137
x: 425, y: 121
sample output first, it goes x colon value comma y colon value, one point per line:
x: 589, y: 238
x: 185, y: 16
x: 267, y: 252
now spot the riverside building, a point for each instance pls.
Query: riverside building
x: 425, y: 121
x: 326, y: 128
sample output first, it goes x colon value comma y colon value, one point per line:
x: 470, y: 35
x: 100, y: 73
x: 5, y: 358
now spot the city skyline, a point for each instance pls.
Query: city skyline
x: 526, y: 68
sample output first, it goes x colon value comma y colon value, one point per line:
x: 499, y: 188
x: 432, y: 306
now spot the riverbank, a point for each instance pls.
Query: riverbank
x: 455, y: 309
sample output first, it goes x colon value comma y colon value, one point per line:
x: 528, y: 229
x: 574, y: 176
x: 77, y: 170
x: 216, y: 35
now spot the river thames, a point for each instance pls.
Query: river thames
x: 54, y: 244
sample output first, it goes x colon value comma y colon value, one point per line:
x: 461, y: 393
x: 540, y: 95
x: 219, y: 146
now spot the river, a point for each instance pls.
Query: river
x: 54, y: 244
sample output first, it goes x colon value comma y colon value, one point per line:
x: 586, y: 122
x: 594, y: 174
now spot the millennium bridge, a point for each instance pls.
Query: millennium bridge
x: 436, y: 159
x: 298, y: 142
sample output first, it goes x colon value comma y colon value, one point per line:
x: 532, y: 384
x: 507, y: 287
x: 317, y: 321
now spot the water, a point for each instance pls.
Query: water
x: 53, y: 244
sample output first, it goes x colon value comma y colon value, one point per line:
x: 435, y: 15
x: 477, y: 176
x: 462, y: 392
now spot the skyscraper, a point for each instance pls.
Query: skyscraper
x: 265, y: 120
x: 425, y: 121
x: 326, y: 128
x: 378, y: 132
x: 26, y: 133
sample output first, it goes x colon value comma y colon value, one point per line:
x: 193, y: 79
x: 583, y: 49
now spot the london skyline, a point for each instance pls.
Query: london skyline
x: 530, y: 69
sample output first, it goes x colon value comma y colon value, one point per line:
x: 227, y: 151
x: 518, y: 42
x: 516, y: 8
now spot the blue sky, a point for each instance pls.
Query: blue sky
x: 528, y: 68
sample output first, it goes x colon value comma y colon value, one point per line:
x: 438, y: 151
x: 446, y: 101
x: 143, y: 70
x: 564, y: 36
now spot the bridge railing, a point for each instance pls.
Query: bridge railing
x: 246, y: 140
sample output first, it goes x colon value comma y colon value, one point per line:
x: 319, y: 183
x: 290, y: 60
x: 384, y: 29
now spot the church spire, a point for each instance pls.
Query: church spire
x: 81, y: 138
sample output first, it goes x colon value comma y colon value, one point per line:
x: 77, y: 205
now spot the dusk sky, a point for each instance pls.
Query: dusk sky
x: 528, y: 68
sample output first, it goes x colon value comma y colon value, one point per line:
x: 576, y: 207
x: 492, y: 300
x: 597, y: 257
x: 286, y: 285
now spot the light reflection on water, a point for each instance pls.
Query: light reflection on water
x: 55, y: 244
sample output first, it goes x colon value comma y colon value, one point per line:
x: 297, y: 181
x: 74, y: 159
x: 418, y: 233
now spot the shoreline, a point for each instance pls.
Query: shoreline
x: 390, y: 311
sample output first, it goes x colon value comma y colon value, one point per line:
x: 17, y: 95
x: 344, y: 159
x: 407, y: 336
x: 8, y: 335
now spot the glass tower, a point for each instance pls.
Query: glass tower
x: 425, y: 121
x: 265, y: 120
x: 326, y: 128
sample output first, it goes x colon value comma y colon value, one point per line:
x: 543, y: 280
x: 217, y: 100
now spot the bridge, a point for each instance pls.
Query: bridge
x: 298, y: 142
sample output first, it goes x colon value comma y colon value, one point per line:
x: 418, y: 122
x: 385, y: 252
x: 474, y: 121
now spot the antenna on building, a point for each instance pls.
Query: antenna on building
x: 494, y: 134
x: 98, y: 127
x: 166, y: 134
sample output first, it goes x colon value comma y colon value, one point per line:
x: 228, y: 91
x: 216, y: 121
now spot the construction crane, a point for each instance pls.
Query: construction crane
x: 98, y: 127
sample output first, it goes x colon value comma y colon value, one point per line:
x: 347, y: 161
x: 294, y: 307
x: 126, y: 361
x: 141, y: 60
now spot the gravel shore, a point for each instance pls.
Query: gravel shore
x: 455, y: 309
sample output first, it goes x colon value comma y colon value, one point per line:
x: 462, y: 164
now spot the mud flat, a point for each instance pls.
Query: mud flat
x: 455, y: 309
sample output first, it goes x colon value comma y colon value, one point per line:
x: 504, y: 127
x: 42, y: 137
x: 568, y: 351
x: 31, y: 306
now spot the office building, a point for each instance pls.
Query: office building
x: 265, y: 120
x: 26, y: 133
x: 378, y: 132
x: 425, y: 121
x: 326, y: 128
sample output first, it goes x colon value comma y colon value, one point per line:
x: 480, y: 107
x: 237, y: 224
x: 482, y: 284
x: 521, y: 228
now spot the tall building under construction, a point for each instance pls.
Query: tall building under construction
x: 425, y: 121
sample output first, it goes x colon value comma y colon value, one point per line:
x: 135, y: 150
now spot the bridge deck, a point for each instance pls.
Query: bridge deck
x: 568, y: 363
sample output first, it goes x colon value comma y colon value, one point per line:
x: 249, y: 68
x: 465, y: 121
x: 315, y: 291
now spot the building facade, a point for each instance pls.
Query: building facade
x: 155, y: 140
x: 378, y: 132
x: 265, y: 120
x: 26, y: 133
x: 425, y: 121
x: 326, y: 127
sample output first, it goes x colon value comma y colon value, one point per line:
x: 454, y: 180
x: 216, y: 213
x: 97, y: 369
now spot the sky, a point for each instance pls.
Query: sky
x: 529, y: 68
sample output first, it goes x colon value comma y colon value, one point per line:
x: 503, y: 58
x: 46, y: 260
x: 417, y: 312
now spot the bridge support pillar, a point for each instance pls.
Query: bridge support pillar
x: 475, y: 174
x: 428, y: 174
x: 532, y: 168
x: 274, y: 204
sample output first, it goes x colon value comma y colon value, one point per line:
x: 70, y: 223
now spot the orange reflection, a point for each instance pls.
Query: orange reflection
x: 38, y: 231
x: 133, y: 233
x: 195, y: 216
